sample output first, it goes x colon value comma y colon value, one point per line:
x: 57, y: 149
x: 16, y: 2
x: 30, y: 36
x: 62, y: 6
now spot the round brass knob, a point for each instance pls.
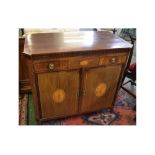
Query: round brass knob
x: 113, y: 60
x: 51, y: 66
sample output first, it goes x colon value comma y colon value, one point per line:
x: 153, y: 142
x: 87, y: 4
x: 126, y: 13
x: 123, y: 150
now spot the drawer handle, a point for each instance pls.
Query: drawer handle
x: 51, y: 66
x: 113, y: 60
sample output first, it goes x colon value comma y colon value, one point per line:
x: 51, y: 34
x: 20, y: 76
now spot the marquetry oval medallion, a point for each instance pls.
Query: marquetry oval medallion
x: 84, y: 63
x: 59, y: 95
x: 100, y: 89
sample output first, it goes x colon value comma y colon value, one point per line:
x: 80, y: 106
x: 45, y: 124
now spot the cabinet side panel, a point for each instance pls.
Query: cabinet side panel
x: 33, y: 83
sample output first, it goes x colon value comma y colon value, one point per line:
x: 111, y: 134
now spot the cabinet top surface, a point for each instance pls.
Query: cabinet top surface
x: 53, y: 43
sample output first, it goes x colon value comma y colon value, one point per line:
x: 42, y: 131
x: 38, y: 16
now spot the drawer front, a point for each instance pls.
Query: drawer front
x: 76, y: 63
x: 50, y: 66
x: 112, y: 59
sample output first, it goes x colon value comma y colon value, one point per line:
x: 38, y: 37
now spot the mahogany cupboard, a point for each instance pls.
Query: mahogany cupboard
x: 75, y: 72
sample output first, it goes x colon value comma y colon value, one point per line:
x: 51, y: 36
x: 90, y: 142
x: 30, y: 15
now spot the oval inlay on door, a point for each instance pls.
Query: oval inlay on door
x: 59, y: 95
x: 100, y: 89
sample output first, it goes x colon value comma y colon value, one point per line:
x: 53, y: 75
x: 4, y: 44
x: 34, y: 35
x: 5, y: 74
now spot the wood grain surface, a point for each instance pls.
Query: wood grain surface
x: 52, y: 43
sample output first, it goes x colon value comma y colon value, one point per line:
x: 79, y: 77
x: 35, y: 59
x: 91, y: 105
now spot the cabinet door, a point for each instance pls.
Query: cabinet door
x: 58, y: 93
x: 99, y: 87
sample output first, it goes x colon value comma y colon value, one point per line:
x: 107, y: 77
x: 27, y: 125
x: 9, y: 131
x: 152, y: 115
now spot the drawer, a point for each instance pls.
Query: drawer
x: 76, y: 63
x: 50, y: 65
x: 112, y: 59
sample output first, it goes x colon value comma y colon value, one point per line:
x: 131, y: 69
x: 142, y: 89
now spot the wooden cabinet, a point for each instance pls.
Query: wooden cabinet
x: 70, y: 76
